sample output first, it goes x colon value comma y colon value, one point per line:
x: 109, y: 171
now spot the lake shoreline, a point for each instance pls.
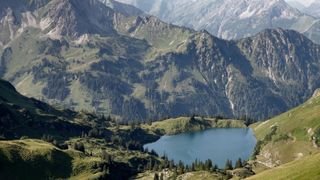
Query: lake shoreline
x: 218, y: 144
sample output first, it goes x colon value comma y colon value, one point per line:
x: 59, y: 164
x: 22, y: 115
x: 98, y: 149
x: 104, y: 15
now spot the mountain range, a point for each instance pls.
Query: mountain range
x: 82, y: 145
x: 229, y: 19
x: 86, y: 55
x: 314, y: 9
x: 82, y: 81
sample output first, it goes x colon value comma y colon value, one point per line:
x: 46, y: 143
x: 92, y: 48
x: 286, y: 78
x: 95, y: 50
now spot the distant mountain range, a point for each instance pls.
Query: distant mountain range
x: 230, y: 19
x: 296, y: 4
x: 313, y: 9
x: 104, y: 57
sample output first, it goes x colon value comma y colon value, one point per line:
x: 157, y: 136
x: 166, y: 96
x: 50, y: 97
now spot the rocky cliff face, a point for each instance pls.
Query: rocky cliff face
x: 86, y: 55
x: 125, y: 9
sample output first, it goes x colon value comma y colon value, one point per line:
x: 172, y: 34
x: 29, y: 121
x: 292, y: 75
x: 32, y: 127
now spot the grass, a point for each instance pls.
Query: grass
x: 162, y: 37
x: 297, y: 121
x: 200, y: 175
x: 306, y: 168
x: 35, y: 159
x: 184, y: 124
x: 8, y: 92
x: 294, y: 138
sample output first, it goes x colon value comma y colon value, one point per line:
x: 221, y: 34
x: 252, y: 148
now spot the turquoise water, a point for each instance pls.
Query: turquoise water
x: 215, y: 144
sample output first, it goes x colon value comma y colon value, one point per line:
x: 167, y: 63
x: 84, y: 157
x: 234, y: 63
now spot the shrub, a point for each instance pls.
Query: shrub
x: 79, y: 147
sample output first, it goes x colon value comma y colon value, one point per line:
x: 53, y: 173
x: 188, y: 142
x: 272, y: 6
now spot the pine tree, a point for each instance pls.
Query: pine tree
x: 180, y: 168
x: 109, y: 119
x: 150, y: 165
x: 208, y: 165
x: 161, y: 176
x: 196, y: 164
x: 187, y: 168
x: 193, y: 118
x: 215, y: 167
x: 239, y: 163
x: 156, y: 176
x: 228, y: 165
x: 171, y: 165
x: 155, y: 167
x: 193, y: 167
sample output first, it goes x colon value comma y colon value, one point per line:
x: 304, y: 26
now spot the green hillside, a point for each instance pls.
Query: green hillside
x: 64, y: 131
x: 288, y: 143
x: 289, y: 136
x: 305, y: 168
x: 108, y: 149
x: 186, y: 124
x: 22, y: 116
x: 35, y: 159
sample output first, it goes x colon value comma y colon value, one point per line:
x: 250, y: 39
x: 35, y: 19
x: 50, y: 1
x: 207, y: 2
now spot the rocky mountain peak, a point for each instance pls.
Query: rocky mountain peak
x: 74, y: 18
x: 227, y: 19
x: 139, y: 67
x: 124, y: 9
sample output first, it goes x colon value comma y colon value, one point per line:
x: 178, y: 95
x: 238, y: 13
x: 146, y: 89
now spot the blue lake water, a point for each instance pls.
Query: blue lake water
x: 215, y: 144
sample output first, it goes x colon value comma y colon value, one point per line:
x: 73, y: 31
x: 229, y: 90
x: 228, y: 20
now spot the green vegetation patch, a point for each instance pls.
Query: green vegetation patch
x: 35, y: 159
x: 306, y: 168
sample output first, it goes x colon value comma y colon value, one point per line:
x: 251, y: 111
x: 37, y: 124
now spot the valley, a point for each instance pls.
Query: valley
x: 99, y: 89
x: 100, y: 148
x: 97, y: 147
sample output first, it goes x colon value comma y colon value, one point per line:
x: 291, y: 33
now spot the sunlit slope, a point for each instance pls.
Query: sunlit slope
x: 290, y: 136
x: 35, y: 159
x: 187, y: 124
x: 306, y: 168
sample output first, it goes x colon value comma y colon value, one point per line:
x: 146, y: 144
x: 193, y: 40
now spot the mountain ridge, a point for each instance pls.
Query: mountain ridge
x: 139, y: 67
x: 229, y: 19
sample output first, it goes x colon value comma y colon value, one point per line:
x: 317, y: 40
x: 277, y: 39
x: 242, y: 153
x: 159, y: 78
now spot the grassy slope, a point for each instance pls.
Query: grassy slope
x: 306, y: 168
x: 33, y: 118
x: 41, y: 159
x: 293, y: 138
x: 295, y: 121
x: 200, y: 175
x: 11, y: 97
x: 184, y: 124
x: 9, y: 94
x: 35, y: 159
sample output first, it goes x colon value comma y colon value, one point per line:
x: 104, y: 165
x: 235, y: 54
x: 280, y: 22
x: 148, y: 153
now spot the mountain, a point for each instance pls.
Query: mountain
x: 313, y: 9
x: 296, y: 4
x: 124, y: 9
x: 290, y: 140
x: 314, y: 32
x: 73, y: 144
x: 81, y: 145
x: 228, y: 19
x: 86, y: 55
x: 36, y: 159
x: 20, y: 116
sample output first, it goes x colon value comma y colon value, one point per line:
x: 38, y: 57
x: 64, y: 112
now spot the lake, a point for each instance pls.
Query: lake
x: 215, y: 144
